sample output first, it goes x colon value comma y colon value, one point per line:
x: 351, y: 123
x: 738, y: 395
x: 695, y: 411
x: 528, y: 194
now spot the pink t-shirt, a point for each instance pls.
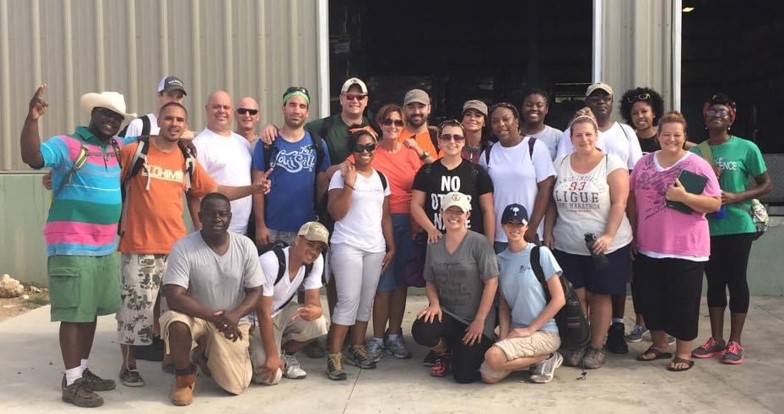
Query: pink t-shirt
x: 663, y: 231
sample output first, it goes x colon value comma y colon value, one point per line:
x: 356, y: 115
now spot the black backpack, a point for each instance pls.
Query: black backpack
x: 572, y: 324
x: 531, y: 142
x: 145, y: 127
x: 277, y: 248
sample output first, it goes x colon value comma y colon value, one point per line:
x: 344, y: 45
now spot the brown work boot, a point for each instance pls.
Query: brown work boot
x: 182, y: 388
x: 80, y: 395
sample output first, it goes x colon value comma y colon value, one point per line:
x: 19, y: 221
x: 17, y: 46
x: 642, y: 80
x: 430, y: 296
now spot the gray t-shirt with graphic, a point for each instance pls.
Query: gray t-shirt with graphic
x: 459, y: 277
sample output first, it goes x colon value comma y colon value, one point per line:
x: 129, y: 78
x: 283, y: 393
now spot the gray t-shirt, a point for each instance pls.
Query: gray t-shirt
x: 459, y: 277
x: 218, y: 282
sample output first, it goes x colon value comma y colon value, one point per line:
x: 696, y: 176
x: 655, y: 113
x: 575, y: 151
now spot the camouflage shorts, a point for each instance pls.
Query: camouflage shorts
x: 141, y: 276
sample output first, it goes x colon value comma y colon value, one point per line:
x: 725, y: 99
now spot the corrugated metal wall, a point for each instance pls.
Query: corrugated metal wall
x: 248, y: 47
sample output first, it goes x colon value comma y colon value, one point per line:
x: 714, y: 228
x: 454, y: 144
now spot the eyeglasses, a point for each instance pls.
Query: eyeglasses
x: 451, y: 137
x: 299, y: 89
x: 355, y: 97
x: 108, y: 113
x: 721, y: 113
x: 244, y: 111
x: 389, y: 122
x: 599, y: 99
x: 370, y: 147
x: 641, y: 97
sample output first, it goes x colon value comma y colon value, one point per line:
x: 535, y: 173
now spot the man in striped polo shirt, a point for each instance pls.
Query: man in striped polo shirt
x: 80, y: 230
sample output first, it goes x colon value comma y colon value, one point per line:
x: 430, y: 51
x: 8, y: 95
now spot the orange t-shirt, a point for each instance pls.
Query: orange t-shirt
x: 422, y: 139
x: 154, y: 221
x: 400, y: 169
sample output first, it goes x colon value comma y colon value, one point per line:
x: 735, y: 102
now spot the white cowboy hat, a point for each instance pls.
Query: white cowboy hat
x: 112, y: 101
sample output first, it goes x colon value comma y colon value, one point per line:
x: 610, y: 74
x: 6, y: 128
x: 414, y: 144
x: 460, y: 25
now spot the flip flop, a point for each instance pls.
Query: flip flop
x: 656, y: 355
x: 689, y: 363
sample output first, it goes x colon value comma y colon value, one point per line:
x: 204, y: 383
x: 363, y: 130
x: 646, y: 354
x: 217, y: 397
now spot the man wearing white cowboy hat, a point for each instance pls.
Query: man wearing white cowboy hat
x: 80, y: 230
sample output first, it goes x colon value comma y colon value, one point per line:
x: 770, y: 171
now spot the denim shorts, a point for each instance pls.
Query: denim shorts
x: 394, y: 277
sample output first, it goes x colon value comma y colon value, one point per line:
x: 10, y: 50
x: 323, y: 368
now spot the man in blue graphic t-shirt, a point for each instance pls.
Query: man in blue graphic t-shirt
x: 295, y: 175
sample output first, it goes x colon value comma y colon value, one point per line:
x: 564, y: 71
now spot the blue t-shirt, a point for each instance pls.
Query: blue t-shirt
x: 520, y: 288
x: 289, y: 203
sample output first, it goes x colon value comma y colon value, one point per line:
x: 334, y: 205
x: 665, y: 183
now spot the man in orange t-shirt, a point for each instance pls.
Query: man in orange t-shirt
x: 416, y: 109
x: 152, y: 223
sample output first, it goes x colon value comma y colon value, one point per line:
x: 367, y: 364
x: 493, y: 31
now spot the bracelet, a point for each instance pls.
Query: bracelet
x: 348, y: 186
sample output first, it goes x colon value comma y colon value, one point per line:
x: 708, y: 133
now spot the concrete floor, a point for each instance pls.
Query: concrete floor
x: 31, y: 368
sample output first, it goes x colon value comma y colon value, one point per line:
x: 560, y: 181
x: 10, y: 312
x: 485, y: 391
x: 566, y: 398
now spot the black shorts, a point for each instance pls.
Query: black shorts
x: 581, y: 271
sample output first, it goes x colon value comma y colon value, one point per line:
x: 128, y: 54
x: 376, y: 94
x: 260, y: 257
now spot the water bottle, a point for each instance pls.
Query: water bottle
x: 599, y: 260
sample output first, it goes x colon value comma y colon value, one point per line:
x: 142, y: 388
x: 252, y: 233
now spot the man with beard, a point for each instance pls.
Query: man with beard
x: 296, y: 173
x: 620, y: 140
x: 416, y: 109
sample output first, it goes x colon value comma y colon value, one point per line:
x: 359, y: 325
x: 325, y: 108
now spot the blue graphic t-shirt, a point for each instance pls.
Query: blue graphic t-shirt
x: 289, y: 203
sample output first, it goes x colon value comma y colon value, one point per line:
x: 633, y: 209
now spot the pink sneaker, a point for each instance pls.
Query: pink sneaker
x: 711, y: 348
x: 734, y: 354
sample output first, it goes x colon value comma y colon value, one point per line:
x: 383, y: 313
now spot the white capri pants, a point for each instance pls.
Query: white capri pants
x: 356, y: 275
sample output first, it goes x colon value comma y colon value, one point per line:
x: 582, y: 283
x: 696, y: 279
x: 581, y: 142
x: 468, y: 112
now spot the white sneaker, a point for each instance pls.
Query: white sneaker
x: 375, y: 349
x: 291, y: 367
x: 544, y: 371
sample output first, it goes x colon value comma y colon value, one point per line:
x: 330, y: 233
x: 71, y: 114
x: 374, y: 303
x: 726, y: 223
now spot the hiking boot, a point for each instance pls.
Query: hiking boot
x: 131, y: 377
x: 358, y: 357
x: 375, y: 349
x: 291, y: 367
x: 594, y: 357
x: 636, y: 334
x: 544, y: 371
x: 734, y: 354
x: 615, y: 342
x: 711, y: 348
x: 314, y: 349
x: 572, y: 358
x: 335, y: 370
x: 441, y: 367
x: 430, y: 359
x: 97, y: 383
x: 182, y: 388
x: 80, y: 395
x: 397, y: 347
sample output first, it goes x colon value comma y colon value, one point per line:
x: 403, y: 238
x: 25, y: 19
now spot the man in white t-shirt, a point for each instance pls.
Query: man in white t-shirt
x: 614, y: 137
x: 281, y: 327
x: 226, y: 157
x: 170, y: 89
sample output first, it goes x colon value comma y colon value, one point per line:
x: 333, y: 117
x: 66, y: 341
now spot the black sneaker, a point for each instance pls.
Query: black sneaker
x: 97, y: 383
x: 131, y: 377
x: 615, y: 340
x: 152, y: 352
x: 430, y: 359
x: 80, y: 395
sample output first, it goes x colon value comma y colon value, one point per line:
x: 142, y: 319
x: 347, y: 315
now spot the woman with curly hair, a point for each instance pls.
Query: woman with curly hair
x: 642, y: 108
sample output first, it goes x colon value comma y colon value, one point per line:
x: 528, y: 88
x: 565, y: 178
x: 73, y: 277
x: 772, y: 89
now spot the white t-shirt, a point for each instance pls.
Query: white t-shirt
x: 583, y: 203
x: 227, y: 159
x: 361, y: 226
x: 287, y: 287
x: 135, y: 127
x: 515, y: 176
x: 619, y: 140
x: 550, y: 136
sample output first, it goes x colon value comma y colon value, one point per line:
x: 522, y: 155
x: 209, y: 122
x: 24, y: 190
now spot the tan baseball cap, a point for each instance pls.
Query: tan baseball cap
x: 476, y: 105
x: 418, y: 96
x: 598, y: 86
x: 314, y: 231
x: 456, y: 199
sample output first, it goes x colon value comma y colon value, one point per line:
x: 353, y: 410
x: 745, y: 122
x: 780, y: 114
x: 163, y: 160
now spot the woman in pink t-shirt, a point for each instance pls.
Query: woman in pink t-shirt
x: 673, y: 243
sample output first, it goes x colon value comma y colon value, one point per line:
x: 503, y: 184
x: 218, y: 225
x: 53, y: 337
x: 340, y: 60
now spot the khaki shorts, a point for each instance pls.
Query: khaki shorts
x: 539, y: 343
x: 228, y: 361
x: 82, y: 288
x: 285, y: 328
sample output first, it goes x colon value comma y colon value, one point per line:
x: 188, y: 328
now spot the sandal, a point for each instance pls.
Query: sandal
x: 689, y: 363
x: 656, y: 355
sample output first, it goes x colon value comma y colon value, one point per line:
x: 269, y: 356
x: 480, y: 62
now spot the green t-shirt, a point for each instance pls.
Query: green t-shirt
x: 337, y: 136
x: 738, y: 159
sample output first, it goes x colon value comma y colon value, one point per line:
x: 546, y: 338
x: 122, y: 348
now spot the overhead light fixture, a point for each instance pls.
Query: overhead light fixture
x: 688, y: 9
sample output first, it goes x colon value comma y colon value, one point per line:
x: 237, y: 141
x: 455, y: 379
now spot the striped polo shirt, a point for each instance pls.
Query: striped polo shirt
x: 84, y: 213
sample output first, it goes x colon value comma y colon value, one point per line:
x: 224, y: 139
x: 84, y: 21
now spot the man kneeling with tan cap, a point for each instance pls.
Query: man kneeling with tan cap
x: 282, y: 327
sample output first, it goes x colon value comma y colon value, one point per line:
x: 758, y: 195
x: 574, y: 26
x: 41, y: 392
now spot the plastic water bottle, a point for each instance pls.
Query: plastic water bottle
x: 599, y: 260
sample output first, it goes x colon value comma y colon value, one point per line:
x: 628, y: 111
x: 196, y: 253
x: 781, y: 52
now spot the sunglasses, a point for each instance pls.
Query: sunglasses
x: 641, y: 97
x: 721, y: 113
x: 108, y: 113
x: 389, y: 122
x: 370, y: 147
x: 451, y: 137
x: 299, y: 89
x: 355, y: 97
x: 245, y: 111
x: 599, y: 99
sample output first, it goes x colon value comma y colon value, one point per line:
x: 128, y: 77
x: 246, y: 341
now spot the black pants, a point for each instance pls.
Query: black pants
x: 726, y: 269
x: 465, y: 359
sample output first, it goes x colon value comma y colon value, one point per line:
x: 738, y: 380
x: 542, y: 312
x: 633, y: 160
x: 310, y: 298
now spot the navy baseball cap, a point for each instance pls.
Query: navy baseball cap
x: 515, y: 212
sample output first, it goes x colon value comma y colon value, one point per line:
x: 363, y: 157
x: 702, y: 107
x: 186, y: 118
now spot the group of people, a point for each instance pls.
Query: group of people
x: 491, y: 202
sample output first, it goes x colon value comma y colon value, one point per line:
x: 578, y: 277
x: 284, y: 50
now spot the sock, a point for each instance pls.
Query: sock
x: 72, y: 375
x: 393, y: 337
x: 82, y: 366
x: 618, y: 320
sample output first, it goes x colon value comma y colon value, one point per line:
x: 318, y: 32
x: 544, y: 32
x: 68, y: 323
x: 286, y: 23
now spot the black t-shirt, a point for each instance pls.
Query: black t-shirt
x: 435, y: 180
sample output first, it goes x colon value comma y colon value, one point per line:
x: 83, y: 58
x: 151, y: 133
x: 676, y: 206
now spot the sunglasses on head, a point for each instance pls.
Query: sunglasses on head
x: 641, y: 97
x: 369, y: 147
x: 299, y: 89
x: 355, y: 97
x: 389, y: 122
x: 244, y: 111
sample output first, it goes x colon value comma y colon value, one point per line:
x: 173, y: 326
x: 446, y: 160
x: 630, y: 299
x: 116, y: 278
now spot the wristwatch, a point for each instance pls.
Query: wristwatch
x: 424, y: 155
